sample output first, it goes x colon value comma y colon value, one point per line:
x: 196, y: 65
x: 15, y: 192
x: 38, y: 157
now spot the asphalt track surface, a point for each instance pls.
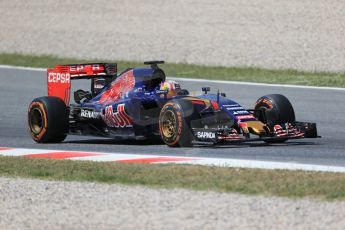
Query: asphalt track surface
x: 326, y: 107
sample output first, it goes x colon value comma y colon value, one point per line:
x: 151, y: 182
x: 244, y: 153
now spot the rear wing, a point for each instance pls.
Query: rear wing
x: 59, y: 78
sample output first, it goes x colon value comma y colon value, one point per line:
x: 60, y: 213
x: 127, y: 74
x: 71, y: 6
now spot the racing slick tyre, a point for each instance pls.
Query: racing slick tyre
x: 175, y: 120
x: 277, y: 109
x: 48, y: 120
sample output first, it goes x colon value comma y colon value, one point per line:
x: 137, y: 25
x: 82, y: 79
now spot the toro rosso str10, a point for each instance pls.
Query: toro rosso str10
x: 141, y: 104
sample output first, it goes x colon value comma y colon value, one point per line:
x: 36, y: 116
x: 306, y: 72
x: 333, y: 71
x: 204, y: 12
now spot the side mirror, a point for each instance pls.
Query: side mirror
x: 205, y: 89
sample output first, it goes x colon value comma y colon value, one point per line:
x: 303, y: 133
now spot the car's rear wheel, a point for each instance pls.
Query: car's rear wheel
x: 48, y: 120
x: 175, y: 122
x: 277, y: 110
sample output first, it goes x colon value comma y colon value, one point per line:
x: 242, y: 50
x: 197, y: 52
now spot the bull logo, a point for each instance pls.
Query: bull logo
x: 117, y: 119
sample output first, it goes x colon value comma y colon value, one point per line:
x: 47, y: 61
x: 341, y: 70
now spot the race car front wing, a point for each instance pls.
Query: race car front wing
x: 221, y: 136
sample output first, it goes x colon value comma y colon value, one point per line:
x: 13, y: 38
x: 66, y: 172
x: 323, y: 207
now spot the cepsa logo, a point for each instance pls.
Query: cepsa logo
x: 63, y: 78
x: 82, y: 68
x: 117, y: 119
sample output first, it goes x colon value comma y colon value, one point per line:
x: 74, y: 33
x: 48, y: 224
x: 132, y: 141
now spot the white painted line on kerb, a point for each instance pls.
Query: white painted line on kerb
x: 203, y: 80
x: 160, y: 159
x: 22, y: 152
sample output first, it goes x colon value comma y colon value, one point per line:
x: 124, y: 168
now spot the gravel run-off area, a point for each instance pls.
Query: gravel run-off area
x: 37, y: 204
x: 306, y: 35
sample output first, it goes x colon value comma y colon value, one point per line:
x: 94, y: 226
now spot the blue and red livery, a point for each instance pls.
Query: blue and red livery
x: 133, y: 105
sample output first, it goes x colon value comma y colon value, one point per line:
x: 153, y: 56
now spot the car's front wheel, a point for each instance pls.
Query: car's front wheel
x: 175, y: 121
x: 48, y: 120
x: 277, y: 109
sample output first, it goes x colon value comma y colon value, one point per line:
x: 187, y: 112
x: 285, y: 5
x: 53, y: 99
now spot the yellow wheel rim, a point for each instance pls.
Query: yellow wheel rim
x: 169, y: 124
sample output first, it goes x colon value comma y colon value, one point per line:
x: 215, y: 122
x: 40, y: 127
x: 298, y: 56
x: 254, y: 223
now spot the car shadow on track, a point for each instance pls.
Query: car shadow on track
x: 267, y: 145
x: 115, y: 142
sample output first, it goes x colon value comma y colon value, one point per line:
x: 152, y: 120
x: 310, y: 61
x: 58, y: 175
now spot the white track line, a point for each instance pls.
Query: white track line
x: 22, y: 152
x: 255, y: 84
x: 117, y: 157
x: 23, y: 68
x: 218, y: 162
x: 203, y: 80
x: 235, y: 163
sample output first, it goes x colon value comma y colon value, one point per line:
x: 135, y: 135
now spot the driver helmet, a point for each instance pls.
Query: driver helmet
x: 173, y: 88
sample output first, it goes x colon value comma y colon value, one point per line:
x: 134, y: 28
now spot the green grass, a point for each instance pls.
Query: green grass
x: 196, y: 71
x: 294, y: 184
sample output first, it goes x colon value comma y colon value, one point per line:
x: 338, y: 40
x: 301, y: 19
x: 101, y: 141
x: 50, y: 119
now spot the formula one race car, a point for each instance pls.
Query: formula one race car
x: 141, y: 104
